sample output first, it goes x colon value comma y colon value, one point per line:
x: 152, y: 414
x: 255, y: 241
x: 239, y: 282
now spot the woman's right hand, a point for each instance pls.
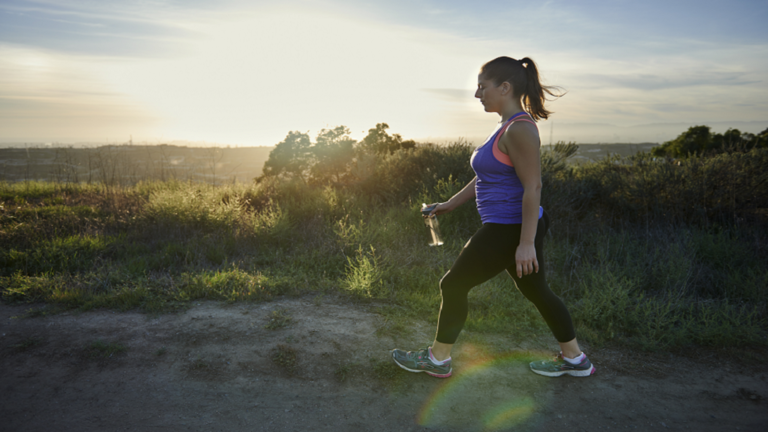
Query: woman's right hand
x: 440, y: 208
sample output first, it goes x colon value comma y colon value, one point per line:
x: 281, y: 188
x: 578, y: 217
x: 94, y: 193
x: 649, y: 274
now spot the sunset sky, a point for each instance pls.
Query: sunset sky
x: 247, y: 72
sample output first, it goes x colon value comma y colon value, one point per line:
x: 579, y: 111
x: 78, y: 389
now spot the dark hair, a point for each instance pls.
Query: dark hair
x: 524, y: 77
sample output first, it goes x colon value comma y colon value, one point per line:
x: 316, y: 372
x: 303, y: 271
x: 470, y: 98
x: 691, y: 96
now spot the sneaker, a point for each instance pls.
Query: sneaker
x: 420, y: 361
x: 558, y: 366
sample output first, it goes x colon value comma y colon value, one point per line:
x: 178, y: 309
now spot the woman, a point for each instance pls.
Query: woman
x: 507, y: 187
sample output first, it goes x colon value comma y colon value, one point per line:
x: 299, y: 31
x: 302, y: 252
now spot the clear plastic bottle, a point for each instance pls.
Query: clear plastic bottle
x: 431, y: 223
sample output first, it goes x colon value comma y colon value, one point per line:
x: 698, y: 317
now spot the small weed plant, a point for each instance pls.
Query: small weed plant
x: 102, y: 349
x: 278, y: 319
x: 26, y: 344
x: 285, y: 357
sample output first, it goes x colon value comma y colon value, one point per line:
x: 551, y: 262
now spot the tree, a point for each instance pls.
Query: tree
x: 695, y: 139
x: 378, y: 141
x: 333, y: 152
x: 331, y: 157
x: 291, y: 157
x: 732, y: 138
x: 699, y: 139
x: 761, y: 139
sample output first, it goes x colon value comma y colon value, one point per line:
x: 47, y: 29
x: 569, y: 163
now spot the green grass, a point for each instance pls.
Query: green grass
x: 384, y: 372
x: 27, y: 344
x: 639, y: 280
x: 278, y: 319
x: 285, y: 358
x: 101, y: 349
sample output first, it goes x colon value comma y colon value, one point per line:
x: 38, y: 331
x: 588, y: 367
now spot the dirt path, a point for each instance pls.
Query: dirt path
x: 217, y: 368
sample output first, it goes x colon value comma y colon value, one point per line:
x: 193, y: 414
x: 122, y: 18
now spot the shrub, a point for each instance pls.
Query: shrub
x: 700, y: 140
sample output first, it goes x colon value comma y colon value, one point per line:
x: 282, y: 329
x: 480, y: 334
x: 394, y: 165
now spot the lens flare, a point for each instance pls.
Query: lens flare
x: 508, y: 414
x: 506, y: 406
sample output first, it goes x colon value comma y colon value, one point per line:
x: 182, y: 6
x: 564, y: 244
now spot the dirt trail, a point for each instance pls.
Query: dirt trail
x: 217, y: 368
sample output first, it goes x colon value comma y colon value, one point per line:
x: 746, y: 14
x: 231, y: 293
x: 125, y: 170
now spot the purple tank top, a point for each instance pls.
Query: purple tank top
x: 498, y: 190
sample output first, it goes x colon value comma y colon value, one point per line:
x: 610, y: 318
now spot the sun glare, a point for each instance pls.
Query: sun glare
x: 264, y: 75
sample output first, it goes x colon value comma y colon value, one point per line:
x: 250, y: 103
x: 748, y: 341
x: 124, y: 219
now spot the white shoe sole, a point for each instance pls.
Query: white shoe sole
x: 437, y: 375
x: 575, y: 373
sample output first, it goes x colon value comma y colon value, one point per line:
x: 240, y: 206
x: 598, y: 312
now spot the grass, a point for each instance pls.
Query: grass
x: 628, y: 275
x: 101, y: 349
x: 199, y: 365
x: 285, y: 358
x: 27, y: 344
x: 343, y: 371
x: 278, y: 319
x: 385, y: 372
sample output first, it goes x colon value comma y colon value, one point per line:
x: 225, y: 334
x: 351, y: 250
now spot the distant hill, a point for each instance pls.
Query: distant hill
x: 593, y: 152
x: 127, y: 164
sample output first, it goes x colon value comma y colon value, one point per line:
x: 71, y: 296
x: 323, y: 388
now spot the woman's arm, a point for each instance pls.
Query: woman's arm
x: 464, y: 195
x: 521, y: 143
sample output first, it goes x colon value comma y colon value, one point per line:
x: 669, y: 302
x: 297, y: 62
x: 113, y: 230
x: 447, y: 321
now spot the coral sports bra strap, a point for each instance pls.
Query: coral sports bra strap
x: 497, y: 153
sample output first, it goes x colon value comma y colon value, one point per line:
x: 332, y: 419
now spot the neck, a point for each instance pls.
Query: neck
x: 511, y: 109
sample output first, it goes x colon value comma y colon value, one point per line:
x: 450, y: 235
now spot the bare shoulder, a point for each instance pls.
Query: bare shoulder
x: 519, y: 136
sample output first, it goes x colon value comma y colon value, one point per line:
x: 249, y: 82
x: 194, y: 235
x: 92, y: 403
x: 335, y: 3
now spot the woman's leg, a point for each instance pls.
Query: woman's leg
x: 486, y: 254
x: 535, y: 288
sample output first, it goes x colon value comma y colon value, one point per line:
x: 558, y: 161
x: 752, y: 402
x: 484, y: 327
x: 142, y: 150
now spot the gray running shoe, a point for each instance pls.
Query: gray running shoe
x: 419, y: 361
x: 558, y: 366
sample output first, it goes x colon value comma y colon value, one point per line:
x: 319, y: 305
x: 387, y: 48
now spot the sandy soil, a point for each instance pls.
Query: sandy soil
x: 217, y: 367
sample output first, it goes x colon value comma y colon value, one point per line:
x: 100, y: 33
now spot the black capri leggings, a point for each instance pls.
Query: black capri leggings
x: 488, y: 252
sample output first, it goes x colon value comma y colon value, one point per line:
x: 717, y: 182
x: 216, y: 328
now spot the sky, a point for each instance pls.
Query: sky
x: 246, y: 73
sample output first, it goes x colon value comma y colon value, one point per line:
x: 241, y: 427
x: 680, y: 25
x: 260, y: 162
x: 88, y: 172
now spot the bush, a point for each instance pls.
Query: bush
x: 725, y: 189
x: 699, y: 140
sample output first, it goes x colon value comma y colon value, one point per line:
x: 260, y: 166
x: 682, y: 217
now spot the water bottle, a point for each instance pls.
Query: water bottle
x: 431, y: 223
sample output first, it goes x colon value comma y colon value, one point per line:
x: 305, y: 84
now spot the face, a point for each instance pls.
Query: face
x: 492, y: 96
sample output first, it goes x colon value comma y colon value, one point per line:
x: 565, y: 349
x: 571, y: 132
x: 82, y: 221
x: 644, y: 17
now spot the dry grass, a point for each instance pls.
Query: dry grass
x: 285, y: 358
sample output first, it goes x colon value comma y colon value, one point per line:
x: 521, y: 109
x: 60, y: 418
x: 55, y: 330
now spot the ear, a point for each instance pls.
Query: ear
x: 506, y: 88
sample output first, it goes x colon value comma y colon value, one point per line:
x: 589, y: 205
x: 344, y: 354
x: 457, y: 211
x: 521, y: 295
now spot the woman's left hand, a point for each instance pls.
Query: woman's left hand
x: 525, y: 260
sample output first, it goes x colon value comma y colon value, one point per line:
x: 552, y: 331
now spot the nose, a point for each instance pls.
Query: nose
x: 477, y: 93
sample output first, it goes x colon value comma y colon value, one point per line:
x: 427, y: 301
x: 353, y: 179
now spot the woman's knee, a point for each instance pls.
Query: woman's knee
x: 450, y: 285
x: 535, y: 288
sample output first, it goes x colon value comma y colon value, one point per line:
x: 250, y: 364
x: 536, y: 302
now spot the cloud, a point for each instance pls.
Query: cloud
x: 94, y: 28
x: 248, y: 71
x: 650, y: 82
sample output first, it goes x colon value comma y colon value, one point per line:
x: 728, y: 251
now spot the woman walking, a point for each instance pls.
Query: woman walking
x: 507, y: 188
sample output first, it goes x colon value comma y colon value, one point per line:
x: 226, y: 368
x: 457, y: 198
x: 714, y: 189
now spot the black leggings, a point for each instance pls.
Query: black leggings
x: 488, y: 252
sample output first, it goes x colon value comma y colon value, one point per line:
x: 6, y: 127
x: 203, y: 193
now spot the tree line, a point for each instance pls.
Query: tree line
x: 332, y: 156
x: 700, y: 140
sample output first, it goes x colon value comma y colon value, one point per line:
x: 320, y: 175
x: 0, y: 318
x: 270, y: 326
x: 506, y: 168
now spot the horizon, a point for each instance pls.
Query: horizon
x: 670, y: 130
x: 245, y: 74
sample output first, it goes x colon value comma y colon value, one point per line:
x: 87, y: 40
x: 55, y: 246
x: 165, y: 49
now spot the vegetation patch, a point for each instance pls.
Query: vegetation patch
x: 389, y: 374
x: 279, y: 318
x: 652, y: 251
x: 27, y: 344
x: 101, y: 349
x: 44, y: 310
x: 285, y: 357
x: 344, y: 371
x: 199, y: 365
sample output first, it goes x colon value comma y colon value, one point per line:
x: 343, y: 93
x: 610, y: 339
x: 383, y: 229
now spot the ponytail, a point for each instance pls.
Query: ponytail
x: 526, y: 84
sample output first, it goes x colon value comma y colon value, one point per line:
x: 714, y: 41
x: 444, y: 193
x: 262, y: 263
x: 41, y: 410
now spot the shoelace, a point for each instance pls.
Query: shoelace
x: 417, y: 354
